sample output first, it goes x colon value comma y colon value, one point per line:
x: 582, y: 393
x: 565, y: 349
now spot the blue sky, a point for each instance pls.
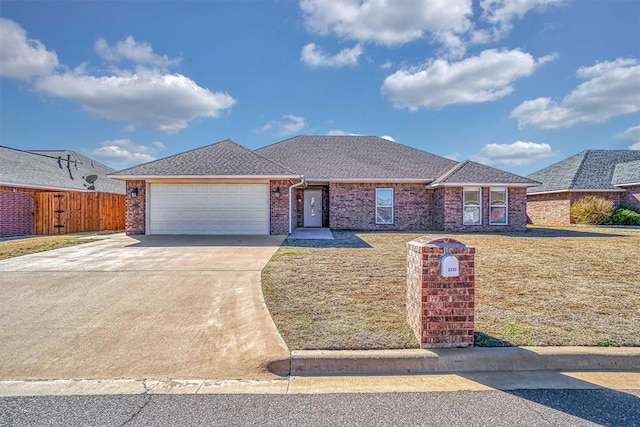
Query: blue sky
x: 517, y: 84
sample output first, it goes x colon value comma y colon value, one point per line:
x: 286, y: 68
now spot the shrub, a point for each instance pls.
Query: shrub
x: 625, y: 216
x: 592, y: 210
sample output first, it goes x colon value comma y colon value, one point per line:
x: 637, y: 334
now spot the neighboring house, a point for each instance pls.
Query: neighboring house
x: 612, y: 174
x: 57, y: 192
x: 341, y: 182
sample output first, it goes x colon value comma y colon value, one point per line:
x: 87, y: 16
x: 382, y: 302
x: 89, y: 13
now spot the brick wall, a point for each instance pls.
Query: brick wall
x: 279, y: 207
x: 448, y: 204
x: 549, y: 209
x: 16, y: 212
x: 352, y: 206
x: 440, y: 310
x: 632, y: 197
x: 555, y: 208
x: 135, y: 222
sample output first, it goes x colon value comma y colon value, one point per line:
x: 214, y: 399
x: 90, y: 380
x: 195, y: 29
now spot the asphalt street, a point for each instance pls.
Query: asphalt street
x: 476, y: 408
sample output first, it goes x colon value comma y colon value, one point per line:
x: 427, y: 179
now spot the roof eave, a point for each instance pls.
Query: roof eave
x: 53, y: 188
x: 630, y: 184
x: 373, y: 180
x: 144, y: 177
x: 614, y: 190
x: 482, y: 184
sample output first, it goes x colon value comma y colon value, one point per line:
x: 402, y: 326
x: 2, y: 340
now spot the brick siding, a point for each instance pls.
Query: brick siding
x: 135, y: 221
x: 448, y: 208
x: 555, y: 208
x: 16, y: 212
x: 352, y: 206
x: 279, y: 207
x: 632, y: 197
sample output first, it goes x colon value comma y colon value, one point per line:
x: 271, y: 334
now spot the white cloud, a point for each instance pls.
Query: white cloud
x: 389, y: 23
x: 20, y: 57
x: 124, y: 153
x: 388, y: 138
x: 165, y: 102
x: 483, y: 78
x: 135, y: 52
x: 517, y: 154
x: 453, y: 156
x: 289, y: 125
x: 501, y: 14
x: 633, y: 134
x: 612, y: 89
x: 313, y: 56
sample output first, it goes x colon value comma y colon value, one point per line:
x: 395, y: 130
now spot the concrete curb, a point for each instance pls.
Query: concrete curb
x: 439, y: 361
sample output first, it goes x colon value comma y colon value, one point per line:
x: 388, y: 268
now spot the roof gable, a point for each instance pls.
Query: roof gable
x: 225, y: 158
x: 589, y: 170
x: 469, y: 172
x: 59, y: 169
x: 334, y: 158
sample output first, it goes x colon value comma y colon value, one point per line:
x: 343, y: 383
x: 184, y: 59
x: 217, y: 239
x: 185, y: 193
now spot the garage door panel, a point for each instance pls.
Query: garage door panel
x: 209, y: 209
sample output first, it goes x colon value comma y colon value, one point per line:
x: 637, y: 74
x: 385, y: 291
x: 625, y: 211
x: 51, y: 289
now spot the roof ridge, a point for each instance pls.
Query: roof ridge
x: 272, y: 161
x: 451, y: 171
x: 585, y: 154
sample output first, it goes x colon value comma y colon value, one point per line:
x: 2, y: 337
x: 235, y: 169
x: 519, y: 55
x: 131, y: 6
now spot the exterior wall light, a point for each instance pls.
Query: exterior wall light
x: 277, y: 192
x: 134, y: 192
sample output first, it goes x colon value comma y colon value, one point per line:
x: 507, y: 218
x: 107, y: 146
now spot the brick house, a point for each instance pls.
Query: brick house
x: 611, y: 174
x: 56, y: 192
x: 340, y: 182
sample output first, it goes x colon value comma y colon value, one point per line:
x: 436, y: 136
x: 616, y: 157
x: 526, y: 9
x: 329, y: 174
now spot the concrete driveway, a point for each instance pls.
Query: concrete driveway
x: 160, y: 307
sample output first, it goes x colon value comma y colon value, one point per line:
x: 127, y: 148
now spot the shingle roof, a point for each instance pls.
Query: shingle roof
x: 627, y: 173
x: 469, y: 172
x: 225, y: 158
x: 330, y: 158
x: 60, y: 170
x: 587, y: 170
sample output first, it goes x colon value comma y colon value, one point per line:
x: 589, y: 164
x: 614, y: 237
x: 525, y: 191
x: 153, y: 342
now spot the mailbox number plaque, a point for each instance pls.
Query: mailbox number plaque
x: 449, y: 266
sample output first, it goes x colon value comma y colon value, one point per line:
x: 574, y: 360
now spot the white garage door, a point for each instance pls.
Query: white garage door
x: 209, y: 209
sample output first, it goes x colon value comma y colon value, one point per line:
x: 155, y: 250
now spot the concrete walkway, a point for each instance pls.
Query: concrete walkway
x: 151, y: 307
x: 302, y: 233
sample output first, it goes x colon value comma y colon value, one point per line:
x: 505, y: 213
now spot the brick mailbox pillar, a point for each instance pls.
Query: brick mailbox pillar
x: 441, y: 292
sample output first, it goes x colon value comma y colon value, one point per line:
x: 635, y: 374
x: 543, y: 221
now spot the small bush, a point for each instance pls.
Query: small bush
x: 625, y: 216
x: 592, y: 210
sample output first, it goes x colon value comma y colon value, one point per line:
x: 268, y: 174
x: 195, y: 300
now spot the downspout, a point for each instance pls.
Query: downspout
x: 291, y: 202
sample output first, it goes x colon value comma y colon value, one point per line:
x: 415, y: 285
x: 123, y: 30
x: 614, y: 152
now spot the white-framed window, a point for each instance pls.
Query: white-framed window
x: 472, y: 206
x: 498, y: 206
x: 384, y: 205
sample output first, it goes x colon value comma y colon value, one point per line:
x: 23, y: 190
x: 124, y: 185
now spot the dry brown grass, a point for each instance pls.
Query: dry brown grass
x: 560, y: 286
x: 24, y: 246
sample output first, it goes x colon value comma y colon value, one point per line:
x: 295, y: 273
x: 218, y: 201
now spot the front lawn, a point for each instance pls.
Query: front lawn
x: 545, y: 286
x: 29, y: 245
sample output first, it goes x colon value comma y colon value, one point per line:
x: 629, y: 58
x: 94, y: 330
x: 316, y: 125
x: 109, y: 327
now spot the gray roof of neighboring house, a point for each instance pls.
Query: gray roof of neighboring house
x: 588, y: 170
x: 225, y: 158
x: 331, y: 158
x: 469, y: 172
x: 59, y: 170
x: 627, y: 173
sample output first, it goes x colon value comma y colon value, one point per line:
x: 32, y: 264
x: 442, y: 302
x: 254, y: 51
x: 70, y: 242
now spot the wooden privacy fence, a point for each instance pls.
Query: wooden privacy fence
x: 74, y: 212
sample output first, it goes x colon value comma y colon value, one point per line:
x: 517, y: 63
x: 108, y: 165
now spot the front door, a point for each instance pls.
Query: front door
x: 313, y: 208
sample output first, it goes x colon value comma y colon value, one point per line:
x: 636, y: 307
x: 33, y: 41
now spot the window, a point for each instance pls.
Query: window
x: 498, y: 211
x: 384, y: 205
x: 472, y: 208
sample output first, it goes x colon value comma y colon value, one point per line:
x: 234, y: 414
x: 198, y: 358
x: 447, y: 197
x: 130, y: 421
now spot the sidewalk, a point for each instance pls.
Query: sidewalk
x: 445, y: 361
